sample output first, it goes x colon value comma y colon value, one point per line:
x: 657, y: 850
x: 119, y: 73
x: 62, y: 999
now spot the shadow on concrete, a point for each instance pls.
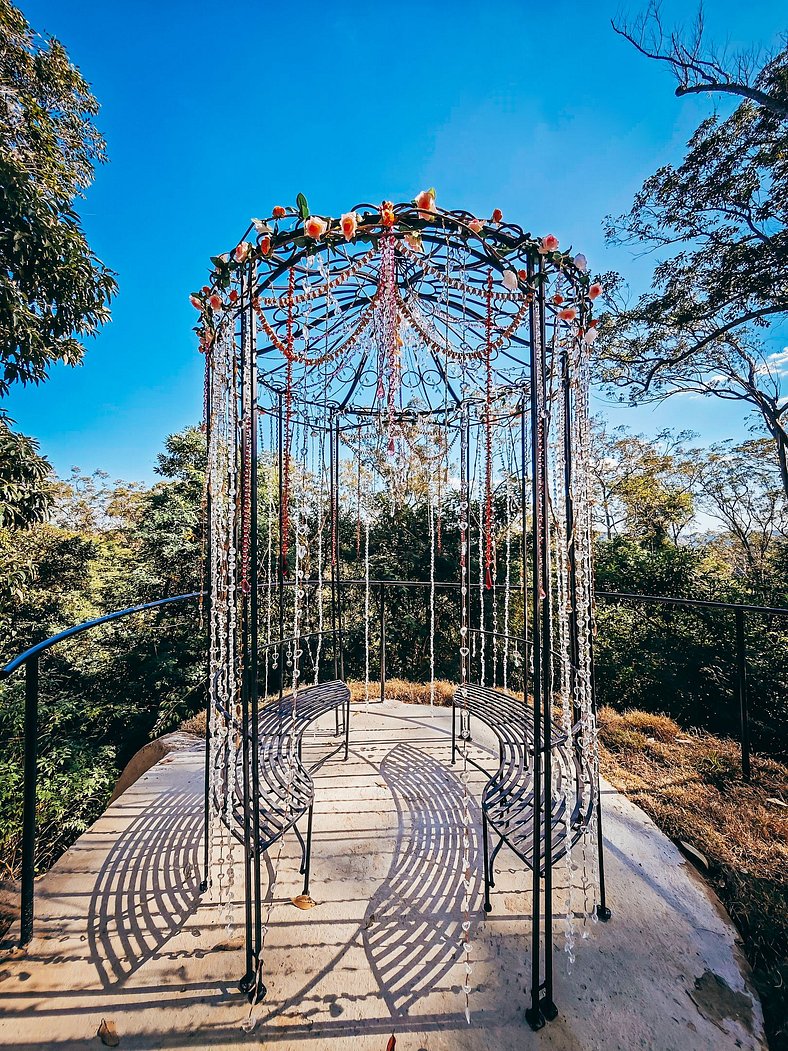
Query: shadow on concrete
x: 147, y: 887
x: 413, y: 926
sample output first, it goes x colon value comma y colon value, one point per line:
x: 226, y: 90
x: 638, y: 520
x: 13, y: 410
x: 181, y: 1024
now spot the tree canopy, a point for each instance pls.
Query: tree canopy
x: 54, y: 292
x: 718, y: 226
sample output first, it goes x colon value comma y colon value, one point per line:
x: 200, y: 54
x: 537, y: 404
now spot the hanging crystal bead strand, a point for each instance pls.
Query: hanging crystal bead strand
x: 464, y: 655
x: 590, y: 744
x: 366, y: 612
x: 431, y: 521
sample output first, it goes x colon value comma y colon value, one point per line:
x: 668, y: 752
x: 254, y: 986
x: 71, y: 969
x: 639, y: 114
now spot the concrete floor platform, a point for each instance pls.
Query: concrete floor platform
x: 122, y: 932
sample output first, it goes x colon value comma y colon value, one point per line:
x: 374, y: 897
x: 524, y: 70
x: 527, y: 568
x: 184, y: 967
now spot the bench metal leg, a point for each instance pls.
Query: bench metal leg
x: 308, y: 858
x: 347, y: 726
x: 300, y: 839
x: 487, y: 903
x: 453, y: 733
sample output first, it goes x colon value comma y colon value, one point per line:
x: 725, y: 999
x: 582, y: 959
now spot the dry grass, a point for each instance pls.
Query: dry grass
x: 407, y: 692
x: 692, y: 787
x: 195, y: 725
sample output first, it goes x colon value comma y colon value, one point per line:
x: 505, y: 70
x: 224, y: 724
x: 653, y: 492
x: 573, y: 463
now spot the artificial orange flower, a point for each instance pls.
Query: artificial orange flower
x: 425, y: 202
x: 477, y: 225
x: 595, y: 290
x: 278, y: 212
x: 387, y: 216
x: 315, y: 227
x: 558, y: 299
x: 349, y: 222
x: 549, y: 244
x: 265, y: 244
x: 567, y: 314
x: 497, y: 215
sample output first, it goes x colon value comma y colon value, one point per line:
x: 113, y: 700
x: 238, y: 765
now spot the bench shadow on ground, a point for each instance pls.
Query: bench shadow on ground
x: 412, y: 929
x: 147, y: 887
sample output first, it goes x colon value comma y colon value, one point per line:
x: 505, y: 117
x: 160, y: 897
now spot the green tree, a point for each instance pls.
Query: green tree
x: 718, y: 225
x: 739, y: 486
x: 643, y: 486
x: 53, y: 290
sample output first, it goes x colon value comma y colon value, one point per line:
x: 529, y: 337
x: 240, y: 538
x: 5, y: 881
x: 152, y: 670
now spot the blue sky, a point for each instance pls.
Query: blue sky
x: 214, y: 113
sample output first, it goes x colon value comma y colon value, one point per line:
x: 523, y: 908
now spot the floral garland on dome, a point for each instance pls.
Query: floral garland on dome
x: 291, y: 232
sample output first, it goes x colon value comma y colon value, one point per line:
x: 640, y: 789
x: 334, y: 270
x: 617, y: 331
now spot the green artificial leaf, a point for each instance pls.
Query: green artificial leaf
x: 303, y: 206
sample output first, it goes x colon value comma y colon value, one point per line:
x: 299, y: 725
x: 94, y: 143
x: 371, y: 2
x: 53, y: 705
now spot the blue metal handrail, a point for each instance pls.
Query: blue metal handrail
x: 30, y: 659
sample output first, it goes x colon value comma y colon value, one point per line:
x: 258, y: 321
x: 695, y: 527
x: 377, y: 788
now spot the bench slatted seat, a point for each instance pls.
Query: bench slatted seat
x: 508, y: 796
x: 282, y: 773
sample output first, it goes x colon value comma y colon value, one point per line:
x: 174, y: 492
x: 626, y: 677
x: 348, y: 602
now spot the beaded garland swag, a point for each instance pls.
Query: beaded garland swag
x: 403, y: 352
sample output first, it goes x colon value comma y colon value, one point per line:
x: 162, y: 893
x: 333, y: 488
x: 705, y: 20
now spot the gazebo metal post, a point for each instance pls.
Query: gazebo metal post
x: 337, y: 455
x: 548, y: 1007
x: 279, y: 558
x: 206, y: 613
x: 247, y: 981
x: 533, y: 1014
x: 254, y: 654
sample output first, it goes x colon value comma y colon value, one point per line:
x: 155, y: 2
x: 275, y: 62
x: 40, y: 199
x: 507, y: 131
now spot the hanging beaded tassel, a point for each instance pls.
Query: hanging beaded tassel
x: 488, y: 438
x: 289, y: 358
x: 223, y: 679
x: 366, y: 613
x: 431, y: 519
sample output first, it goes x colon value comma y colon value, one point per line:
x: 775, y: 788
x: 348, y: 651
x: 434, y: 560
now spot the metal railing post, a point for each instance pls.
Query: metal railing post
x: 741, y: 684
x: 29, y: 805
x: 382, y: 642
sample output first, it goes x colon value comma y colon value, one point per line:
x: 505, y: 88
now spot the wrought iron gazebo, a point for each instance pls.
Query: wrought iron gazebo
x: 402, y: 349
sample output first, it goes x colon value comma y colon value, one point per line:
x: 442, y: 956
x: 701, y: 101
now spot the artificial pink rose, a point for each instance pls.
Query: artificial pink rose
x: 590, y: 336
x: 476, y: 225
x: 567, y: 314
x: 414, y: 240
x: 549, y: 244
x: 215, y: 302
x: 349, y: 222
x: 195, y: 302
x: 425, y: 202
x: 315, y: 227
x: 595, y: 290
x: 242, y: 251
x: 509, y: 278
x: 581, y: 263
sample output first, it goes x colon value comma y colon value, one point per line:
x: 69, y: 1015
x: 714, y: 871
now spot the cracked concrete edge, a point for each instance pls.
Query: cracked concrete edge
x: 619, y: 800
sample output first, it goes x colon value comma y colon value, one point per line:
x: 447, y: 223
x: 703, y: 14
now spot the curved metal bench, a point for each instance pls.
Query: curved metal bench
x: 508, y: 796
x: 285, y: 789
